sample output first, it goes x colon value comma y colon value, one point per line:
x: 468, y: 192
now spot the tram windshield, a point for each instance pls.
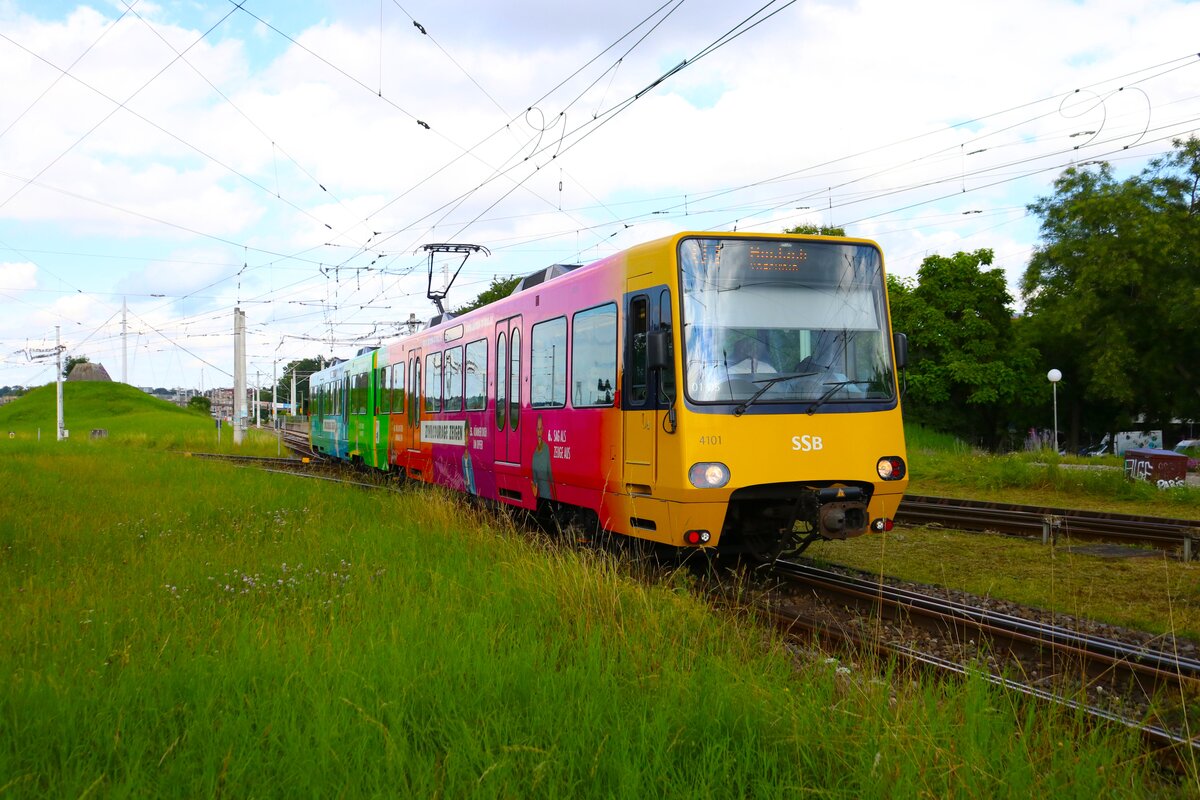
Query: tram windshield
x: 779, y: 321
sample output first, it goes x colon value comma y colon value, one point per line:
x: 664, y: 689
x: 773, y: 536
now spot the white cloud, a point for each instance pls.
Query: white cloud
x: 18, y: 276
x: 830, y: 112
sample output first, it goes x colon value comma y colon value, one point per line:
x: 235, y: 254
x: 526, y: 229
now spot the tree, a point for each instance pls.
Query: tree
x: 967, y: 371
x: 1113, y: 290
x: 498, y: 290
x: 303, y: 368
x: 71, y: 362
x: 816, y: 230
x: 201, y: 404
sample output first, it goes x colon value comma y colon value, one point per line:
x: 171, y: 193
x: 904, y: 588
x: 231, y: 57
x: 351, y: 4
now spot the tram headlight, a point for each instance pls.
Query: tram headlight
x: 708, y: 475
x: 891, y: 468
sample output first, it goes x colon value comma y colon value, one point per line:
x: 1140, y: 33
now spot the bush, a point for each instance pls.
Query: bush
x: 201, y: 404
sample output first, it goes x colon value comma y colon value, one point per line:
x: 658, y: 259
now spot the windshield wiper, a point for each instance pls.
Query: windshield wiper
x: 833, y: 387
x: 767, y: 384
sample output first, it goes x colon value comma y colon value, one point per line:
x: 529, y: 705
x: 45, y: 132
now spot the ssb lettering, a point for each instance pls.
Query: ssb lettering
x: 806, y: 443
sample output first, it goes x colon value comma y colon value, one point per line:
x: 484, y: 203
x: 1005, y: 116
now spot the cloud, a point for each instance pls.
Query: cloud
x: 18, y: 276
x: 306, y: 162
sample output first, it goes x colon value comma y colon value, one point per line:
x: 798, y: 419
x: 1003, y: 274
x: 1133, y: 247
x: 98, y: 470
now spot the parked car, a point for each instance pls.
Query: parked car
x: 1191, y: 449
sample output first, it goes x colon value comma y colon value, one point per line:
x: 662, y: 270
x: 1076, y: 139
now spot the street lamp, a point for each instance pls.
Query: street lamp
x: 1054, y: 376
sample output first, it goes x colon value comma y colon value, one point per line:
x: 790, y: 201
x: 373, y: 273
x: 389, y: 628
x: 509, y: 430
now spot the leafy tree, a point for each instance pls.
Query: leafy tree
x: 71, y: 362
x: 816, y: 230
x: 304, y: 368
x: 967, y: 371
x: 1113, y: 290
x: 201, y: 404
x: 499, y: 289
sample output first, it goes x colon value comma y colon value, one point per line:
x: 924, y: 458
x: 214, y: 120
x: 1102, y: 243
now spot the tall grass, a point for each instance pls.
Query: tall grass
x: 942, y: 464
x: 183, y: 628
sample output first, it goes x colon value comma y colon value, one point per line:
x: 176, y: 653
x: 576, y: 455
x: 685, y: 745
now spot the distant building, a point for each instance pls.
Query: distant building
x: 222, y: 402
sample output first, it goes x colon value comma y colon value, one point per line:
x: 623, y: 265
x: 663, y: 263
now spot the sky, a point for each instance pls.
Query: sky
x: 163, y: 163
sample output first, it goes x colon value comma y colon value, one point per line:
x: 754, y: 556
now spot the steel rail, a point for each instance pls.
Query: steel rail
x: 1020, y: 520
x: 250, y: 459
x: 1151, y: 732
x: 1156, y: 664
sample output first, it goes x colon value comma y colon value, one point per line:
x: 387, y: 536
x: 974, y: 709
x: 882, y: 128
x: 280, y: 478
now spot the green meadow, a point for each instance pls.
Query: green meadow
x: 176, y: 627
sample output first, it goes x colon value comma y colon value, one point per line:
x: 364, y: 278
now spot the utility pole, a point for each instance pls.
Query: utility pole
x: 257, y: 391
x: 274, y: 393
x: 239, y: 375
x: 124, y: 341
x: 293, y: 391
x: 62, y: 432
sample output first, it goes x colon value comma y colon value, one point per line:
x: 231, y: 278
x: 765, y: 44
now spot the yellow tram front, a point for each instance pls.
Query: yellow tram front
x: 776, y: 406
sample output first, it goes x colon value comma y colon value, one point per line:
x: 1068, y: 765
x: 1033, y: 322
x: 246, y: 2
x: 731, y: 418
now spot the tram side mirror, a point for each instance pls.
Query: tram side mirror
x: 900, y: 345
x: 658, y: 350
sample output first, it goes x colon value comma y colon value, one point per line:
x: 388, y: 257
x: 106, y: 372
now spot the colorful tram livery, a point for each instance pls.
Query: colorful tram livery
x: 727, y: 390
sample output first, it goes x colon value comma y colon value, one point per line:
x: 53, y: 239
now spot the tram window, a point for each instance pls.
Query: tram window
x: 475, y: 371
x: 383, y: 391
x: 666, y: 377
x: 358, y: 392
x: 433, y: 382
x: 548, y: 364
x: 638, y: 328
x: 452, y: 366
x: 501, y: 380
x: 397, y: 388
x: 514, y: 381
x: 594, y: 357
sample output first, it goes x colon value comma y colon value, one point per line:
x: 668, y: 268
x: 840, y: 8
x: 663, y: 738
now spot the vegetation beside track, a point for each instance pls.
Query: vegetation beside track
x: 177, y: 627
x: 1150, y: 590
x: 942, y: 466
x: 130, y: 417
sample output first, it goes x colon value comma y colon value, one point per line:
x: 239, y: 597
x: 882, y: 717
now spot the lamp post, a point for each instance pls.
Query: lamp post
x: 1054, y: 376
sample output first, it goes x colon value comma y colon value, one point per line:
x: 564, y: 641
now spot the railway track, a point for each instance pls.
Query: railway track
x: 1055, y: 663
x: 1174, y: 535
x: 297, y: 441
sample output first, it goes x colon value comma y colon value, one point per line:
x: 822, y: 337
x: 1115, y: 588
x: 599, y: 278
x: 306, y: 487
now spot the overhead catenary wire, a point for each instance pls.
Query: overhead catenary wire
x: 277, y: 298
x: 121, y: 105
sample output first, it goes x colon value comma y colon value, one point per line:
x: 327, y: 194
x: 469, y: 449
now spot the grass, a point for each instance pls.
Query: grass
x: 130, y: 417
x: 177, y: 627
x: 1149, y: 590
x: 943, y: 466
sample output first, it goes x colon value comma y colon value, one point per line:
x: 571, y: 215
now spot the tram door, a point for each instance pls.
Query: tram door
x: 647, y: 395
x: 508, y: 390
x: 412, y: 405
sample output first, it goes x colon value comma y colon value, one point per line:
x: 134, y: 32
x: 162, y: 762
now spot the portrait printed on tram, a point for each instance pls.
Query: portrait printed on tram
x: 543, y: 476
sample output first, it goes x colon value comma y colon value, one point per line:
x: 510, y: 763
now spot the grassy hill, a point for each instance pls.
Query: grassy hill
x: 128, y: 414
